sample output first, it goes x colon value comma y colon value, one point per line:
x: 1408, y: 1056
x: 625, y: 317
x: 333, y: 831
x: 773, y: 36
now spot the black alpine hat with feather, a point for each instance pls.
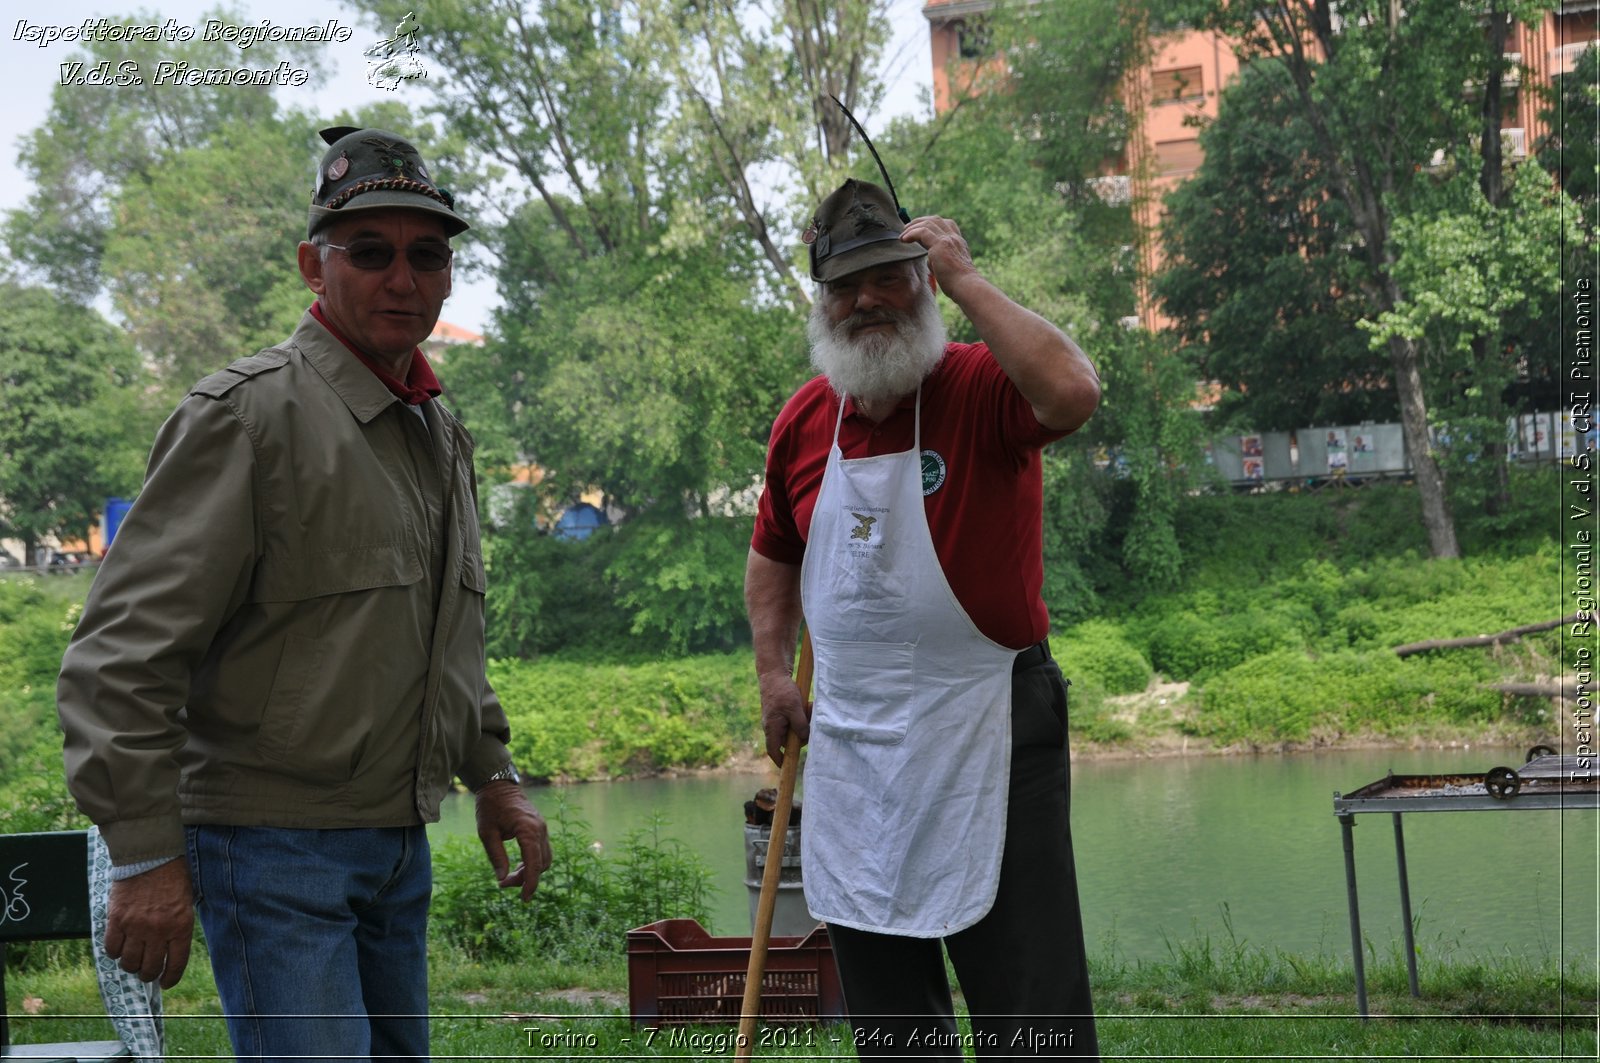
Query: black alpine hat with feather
x: 859, y: 225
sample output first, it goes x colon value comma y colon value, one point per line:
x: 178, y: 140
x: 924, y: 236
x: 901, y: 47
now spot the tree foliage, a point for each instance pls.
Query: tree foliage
x: 1483, y: 304
x: 1259, y: 262
x: 1015, y: 161
x: 1380, y: 88
x: 1070, y: 251
x: 73, y: 431
x: 650, y: 329
x: 98, y: 148
x: 1571, y: 150
x: 199, y: 260
x: 654, y: 122
x: 179, y: 207
x: 1068, y: 66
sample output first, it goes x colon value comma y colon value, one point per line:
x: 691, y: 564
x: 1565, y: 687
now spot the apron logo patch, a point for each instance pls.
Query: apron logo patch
x: 933, y: 471
x: 863, y: 530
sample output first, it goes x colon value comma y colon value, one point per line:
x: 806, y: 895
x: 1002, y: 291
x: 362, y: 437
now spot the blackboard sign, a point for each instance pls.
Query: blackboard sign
x: 44, y: 886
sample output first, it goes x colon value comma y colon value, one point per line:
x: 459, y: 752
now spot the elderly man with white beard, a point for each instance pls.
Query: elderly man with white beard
x: 901, y: 520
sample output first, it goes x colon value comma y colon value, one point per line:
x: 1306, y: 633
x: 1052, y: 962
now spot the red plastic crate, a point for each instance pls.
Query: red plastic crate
x: 678, y: 973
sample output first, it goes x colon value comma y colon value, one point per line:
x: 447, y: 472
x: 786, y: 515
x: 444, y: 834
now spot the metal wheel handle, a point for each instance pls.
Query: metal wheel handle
x: 1502, y: 783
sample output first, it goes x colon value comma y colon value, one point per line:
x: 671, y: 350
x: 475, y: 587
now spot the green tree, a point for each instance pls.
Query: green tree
x: 181, y: 207
x: 640, y: 122
x: 650, y: 328
x: 212, y: 230
x: 1380, y: 87
x: 1068, y: 66
x: 72, y: 430
x: 98, y: 146
x: 1480, y: 284
x: 1065, y: 244
x: 1017, y: 161
x: 653, y: 379
x: 1258, y: 264
x: 1571, y: 150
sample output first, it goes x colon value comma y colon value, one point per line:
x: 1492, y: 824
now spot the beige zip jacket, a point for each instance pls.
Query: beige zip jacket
x: 276, y: 637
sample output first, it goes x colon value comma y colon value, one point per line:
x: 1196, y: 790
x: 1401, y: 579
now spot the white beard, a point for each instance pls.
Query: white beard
x: 879, y: 365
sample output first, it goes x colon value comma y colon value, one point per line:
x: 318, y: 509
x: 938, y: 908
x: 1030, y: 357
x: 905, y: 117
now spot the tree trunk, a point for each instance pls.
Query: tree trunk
x: 1436, y: 516
x: 1499, y: 638
x: 1368, y: 192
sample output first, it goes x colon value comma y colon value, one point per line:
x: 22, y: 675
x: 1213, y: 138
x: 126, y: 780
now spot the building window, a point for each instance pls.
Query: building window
x: 1179, y: 83
x: 1178, y: 156
x: 1577, y: 27
x: 972, y: 38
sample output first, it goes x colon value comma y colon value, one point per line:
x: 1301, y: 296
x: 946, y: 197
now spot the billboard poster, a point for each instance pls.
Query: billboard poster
x: 1338, y: 451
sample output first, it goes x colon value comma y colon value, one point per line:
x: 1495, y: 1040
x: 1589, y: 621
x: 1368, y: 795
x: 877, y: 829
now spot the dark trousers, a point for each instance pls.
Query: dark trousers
x: 1022, y: 966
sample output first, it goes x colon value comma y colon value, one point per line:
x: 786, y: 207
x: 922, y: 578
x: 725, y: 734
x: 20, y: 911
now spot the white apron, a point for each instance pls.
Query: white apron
x: 906, y: 779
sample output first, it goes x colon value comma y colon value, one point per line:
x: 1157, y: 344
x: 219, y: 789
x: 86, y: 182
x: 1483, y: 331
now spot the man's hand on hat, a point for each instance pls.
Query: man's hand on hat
x: 948, y: 255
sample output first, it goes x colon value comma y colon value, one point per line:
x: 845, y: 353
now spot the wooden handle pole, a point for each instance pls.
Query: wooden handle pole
x: 761, y: 933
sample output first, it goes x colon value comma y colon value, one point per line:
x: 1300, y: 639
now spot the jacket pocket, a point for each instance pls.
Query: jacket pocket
x: 864, y: 689
x: 298, y: 577
x: 472, y: 574
x: 287, y: 721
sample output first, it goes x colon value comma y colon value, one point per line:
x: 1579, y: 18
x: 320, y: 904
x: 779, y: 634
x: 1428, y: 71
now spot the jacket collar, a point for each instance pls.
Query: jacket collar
x: 354, y: 383
x: 418, y: 387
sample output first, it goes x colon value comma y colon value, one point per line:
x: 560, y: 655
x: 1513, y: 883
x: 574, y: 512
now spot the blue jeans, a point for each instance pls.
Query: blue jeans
x: 318, y: 938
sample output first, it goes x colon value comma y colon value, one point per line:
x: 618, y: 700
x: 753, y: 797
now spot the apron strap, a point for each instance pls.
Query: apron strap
x: 916, y: 432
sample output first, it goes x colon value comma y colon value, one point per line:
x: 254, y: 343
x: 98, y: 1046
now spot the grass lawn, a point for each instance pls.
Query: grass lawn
x: 1243, y: 1003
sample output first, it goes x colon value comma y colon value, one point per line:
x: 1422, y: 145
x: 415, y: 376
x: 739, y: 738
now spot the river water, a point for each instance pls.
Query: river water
x: 1175, y: 851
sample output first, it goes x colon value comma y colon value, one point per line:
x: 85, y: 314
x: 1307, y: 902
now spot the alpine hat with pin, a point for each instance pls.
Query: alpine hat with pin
x: 372, y: 169
x: 859, y: 225
x: 856, y: 227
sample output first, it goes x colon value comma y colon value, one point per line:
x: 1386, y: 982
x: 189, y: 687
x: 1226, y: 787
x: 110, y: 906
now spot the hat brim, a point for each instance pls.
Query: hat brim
x: 878, y: 253
x: 321, y: 217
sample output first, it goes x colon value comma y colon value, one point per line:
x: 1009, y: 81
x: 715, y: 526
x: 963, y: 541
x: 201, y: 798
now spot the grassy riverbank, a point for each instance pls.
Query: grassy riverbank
x: 1280, y: 637
x: 1206, y: 1001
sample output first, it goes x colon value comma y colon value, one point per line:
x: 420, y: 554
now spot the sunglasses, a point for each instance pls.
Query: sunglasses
x: 376, y: 255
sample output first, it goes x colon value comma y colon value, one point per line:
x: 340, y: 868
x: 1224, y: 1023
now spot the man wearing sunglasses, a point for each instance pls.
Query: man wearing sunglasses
x: 280, y: 667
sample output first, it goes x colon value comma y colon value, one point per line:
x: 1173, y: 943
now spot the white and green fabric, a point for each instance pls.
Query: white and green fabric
x: 133, y: 1006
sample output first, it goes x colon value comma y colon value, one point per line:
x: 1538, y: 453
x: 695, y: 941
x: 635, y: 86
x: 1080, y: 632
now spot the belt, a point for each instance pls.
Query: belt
x: 1032, y: 657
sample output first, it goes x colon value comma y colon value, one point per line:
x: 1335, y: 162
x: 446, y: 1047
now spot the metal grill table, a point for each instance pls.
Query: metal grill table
x: 1544, y: 783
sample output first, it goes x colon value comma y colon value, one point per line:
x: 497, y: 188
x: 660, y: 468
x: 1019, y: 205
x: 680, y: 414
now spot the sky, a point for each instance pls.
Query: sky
x: 29, y: 72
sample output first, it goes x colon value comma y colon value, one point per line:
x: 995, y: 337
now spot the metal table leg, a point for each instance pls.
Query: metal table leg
x: 1347, y: 827
x: 1405, y: 906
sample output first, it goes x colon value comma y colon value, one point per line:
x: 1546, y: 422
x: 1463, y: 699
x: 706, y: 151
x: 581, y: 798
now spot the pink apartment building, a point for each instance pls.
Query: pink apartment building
x: 1187, y: 69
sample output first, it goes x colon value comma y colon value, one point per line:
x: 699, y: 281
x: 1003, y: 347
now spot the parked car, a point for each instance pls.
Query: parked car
x: 70, y: 559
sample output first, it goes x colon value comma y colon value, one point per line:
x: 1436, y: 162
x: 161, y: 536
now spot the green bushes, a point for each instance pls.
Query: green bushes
x: 1289, y: 696
x: 1320, y: 606
x: 37, y: 615
x: 586, y: 902
x: 548, y: 594
x: 586, y: 721
x: 1095, y: 652
x: 1284, y: 627
x: 664, y: 582
x: 1196, y: 643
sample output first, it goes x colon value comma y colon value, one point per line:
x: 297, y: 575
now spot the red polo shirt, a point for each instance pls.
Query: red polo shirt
x: 982, y: 484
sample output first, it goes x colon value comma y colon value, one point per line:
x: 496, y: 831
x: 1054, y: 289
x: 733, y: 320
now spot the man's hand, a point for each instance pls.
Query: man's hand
x: 783, y: 709
x: 949, y: 258
x: 503, y: 814
x: 1049, y: 370
x: 150, y: 923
